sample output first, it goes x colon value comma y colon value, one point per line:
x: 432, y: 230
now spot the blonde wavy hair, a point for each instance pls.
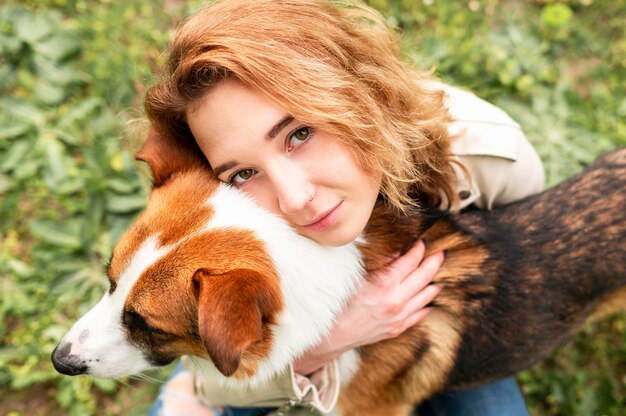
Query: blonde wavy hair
x: 334, y: 66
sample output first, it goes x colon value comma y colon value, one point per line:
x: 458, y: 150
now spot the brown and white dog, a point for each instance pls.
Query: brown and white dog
x: 205, y: 272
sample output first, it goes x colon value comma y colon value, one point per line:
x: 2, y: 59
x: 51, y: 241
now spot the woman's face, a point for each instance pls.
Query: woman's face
x: 303, y: 174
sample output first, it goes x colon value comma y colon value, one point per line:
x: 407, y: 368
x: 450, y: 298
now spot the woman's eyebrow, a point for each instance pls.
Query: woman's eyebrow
x: 223, y: 168
x: 279, y: 126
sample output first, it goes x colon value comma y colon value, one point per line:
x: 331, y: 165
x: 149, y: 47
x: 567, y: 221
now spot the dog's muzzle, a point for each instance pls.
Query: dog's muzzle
x: 66, y: 363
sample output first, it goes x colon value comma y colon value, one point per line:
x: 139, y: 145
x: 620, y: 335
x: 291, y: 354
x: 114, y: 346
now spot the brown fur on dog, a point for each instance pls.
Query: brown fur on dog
x: 518, y: 282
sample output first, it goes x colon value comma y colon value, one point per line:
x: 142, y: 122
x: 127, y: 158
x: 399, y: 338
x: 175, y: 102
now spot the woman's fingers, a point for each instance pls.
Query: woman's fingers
x: 401, y: 267
x: 402, y: 292
x: 424, y: 274
x: 413, y: 294
x: 414, y: 310
x: 422, y: 299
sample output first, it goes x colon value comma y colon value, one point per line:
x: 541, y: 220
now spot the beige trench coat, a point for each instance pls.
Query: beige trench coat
x: 503, y: 166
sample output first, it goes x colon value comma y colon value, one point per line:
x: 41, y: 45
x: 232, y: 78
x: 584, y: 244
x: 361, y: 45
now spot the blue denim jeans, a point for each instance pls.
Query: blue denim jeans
x: 499, y: 398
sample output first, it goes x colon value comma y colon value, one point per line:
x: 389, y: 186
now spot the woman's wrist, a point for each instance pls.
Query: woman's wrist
x: 310, y: 365
x: 317, y: 358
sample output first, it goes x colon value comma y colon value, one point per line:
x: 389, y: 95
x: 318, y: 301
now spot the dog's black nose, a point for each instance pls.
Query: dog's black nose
x: 66, y: 363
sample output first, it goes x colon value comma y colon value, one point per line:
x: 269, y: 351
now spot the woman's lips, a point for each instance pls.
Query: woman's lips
x: 326, y: 221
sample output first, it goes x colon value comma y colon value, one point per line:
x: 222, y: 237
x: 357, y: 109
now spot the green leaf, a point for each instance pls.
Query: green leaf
x: 49, y: 93
x: 70, y: 186
x: 28, y: 169
x: 93, y: 218
x: 66, y: 135
x: 122, y: 185
x: 5, y: 183
x: 105, y: 385
x: 621, y: 110
x: 65, y: 395
x: 18, y: 267
x: 13, y: 131
x: 15, y: 155
x: 61, y: 75
x: 58, y: 48
x: 31, y: 27
x: 70, y: 264
x: 30, y: 378
x: 22, y: 110
x: 121, y: 204
x: 55, y: 233
x: 57, y: 163
x: 10, y: 46
x: 80, y: 111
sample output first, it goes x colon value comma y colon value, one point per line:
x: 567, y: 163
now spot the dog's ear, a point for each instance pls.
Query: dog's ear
x: 232, y: 310
x: 167, y: 155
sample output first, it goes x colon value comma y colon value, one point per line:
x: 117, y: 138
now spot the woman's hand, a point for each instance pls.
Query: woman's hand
x: 388, y: 303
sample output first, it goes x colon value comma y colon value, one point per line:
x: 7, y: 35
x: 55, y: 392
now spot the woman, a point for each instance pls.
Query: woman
x: 307, y: 108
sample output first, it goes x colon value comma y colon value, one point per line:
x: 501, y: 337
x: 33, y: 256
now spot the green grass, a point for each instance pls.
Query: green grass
x: 72, y: 76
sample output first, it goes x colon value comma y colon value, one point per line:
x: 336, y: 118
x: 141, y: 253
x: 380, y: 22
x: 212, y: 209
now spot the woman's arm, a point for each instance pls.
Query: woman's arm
x: 502, y: 164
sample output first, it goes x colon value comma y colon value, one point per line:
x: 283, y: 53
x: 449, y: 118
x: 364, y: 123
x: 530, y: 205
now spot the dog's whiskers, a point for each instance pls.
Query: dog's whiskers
x: 145, y: 377
x: 121, y: 382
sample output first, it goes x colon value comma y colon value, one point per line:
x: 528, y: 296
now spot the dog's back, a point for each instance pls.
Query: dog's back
x: 554, y: 260
x: 518, y: 282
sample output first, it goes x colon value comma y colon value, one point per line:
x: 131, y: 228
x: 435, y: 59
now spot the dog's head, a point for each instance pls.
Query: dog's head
x: 204, y: 271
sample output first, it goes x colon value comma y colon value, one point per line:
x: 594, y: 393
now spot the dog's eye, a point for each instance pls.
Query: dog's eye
x: 135, y: 321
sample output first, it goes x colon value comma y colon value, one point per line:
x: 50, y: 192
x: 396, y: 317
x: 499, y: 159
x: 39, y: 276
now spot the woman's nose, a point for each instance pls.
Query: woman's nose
x: 293, y: 189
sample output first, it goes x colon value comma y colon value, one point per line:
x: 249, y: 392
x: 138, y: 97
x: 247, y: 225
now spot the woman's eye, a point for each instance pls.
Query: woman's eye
x: 242, y: 176
x: 298, y: 137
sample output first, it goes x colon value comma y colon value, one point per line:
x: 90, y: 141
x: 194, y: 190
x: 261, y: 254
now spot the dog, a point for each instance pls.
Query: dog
x: 205, y: 272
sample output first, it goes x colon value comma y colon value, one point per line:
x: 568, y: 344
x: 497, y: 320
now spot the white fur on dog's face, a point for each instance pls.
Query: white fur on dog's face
x: 197, y: 250
x: 98, y: 339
